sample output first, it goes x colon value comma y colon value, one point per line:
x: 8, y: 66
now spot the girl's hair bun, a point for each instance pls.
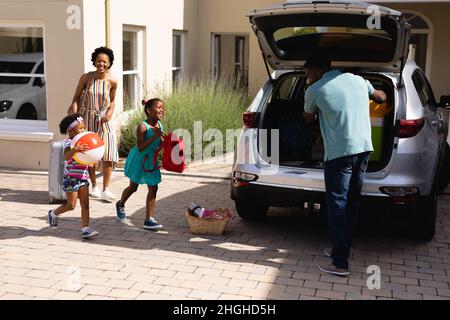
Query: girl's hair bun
x: 144, y: 102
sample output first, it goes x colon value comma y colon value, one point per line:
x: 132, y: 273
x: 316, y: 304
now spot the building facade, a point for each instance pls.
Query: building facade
x: 45, y: 46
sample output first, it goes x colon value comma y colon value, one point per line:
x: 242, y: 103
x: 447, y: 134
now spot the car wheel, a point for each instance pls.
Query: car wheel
x: 444, y: 173
x: 251, y: 210
x: 27, y: 111
x: 424, y: 223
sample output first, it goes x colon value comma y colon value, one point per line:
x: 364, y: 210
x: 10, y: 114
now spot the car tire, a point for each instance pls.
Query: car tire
x: 27, y: 111
x: 444, y: 173
x: 424, y: 220
x: 251, y: 210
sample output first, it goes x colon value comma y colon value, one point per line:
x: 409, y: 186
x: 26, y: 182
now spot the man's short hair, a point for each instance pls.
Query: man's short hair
x: 318, y: 60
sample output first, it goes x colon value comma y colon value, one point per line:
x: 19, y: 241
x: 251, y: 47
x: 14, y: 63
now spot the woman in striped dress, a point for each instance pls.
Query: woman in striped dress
x: 97, y: 92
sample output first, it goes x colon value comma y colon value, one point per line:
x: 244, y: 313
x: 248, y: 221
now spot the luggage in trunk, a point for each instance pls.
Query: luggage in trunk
x: 301, y: 145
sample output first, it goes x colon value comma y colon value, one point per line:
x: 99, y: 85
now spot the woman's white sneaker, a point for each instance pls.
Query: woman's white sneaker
x: 107, y: 195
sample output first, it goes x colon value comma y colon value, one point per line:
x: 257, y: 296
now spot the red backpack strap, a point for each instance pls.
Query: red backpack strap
x: 155, y: 159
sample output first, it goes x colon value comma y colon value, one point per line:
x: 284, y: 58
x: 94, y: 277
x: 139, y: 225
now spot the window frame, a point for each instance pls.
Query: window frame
x: 239, y: 56
x: 216, y: 54
x: 429, y: 32
x: 216, y: 58
x: 182, y: 67
x: 27, y: 130
x: 138, y: 70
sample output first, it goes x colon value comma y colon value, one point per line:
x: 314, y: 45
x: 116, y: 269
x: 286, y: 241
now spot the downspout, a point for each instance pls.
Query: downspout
x: 107, y: 23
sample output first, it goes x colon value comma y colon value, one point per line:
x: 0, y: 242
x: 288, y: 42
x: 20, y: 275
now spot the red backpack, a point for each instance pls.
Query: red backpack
x: 173, y: 158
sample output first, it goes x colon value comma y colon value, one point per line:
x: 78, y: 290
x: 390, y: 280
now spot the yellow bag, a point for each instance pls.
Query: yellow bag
x: 377, y: 114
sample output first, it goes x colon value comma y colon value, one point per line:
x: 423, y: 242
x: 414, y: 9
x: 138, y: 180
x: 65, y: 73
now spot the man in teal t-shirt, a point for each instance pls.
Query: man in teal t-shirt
x: 342, y: 102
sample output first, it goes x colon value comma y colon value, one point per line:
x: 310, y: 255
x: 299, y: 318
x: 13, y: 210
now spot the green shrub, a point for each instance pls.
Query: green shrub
x: 217, y: 104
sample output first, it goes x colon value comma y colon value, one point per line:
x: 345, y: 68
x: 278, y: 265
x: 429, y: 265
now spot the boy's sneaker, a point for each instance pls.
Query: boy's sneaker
x: 88, y: 233
x: 152, y: 224
x: 95, y: 193
x: 52, y: 219
x: 121, y: 215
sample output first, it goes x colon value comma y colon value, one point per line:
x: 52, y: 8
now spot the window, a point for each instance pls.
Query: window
x: 420, y: 41
x: 22, y: 77
x: 178, y: 54
x: 216, y: 58
x: 285, y: 89
x: 229, y: 58
x: 239, y: 59
x: 296, y: 38
x: 423, y: 89
x: 132, y: 67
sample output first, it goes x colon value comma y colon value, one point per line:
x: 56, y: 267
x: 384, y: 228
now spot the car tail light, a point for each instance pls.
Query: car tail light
x: 401, y: 195
x: 248, y: 119
x: 410, y: 128
x: 243, y: 179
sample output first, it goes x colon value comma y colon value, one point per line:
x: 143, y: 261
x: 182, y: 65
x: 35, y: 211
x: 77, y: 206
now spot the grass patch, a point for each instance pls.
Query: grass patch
x: 217, y: 105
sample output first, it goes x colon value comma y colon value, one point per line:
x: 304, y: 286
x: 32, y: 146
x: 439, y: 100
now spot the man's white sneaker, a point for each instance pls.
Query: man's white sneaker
x: 95, y: 193
x: 107, y: 195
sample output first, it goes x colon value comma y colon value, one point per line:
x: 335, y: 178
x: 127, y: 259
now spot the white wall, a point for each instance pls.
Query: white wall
x: 63, y: 66
x: 159, y: 18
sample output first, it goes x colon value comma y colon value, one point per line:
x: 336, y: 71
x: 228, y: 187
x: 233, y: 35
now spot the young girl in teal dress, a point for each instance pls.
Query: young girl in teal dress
x: 139, y: 164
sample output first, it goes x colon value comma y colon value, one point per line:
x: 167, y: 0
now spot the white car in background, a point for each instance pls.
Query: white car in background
x: 22, y: 94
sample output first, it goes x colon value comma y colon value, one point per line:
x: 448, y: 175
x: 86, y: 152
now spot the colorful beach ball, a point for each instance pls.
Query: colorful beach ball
x: 95, y: 144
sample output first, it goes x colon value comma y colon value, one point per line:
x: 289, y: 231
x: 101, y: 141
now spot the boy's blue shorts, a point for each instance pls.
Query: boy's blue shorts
x: 71, y: 184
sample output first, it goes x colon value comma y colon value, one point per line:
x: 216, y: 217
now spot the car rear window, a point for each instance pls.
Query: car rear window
x: 342, y: 37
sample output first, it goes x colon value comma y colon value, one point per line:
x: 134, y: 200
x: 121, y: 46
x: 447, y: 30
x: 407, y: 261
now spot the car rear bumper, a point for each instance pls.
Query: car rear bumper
x: 284, y: 197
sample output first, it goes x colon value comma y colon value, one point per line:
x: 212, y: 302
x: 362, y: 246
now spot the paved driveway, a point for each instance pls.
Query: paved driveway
x: 273, y: 259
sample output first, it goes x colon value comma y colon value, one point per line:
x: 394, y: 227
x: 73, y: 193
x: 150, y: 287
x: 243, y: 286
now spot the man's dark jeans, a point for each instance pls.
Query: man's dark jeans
x: 343, y: 181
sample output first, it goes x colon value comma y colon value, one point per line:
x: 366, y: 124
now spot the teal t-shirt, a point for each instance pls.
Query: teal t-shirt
x: 342, y: 102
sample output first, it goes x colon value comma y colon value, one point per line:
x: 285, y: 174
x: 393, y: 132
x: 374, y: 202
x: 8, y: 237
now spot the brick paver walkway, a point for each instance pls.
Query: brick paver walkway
x: 273, y: 259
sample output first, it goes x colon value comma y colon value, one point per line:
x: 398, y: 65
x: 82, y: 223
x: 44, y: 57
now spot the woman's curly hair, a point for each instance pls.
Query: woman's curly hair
x: 104, y: 50
x: 67, y: 121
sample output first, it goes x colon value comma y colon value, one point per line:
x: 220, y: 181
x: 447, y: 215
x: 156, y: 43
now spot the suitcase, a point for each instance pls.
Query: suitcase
x: 56, y: 173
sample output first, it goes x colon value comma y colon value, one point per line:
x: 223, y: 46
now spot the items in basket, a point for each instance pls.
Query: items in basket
x: 214, y: 225
x: 203, y: 213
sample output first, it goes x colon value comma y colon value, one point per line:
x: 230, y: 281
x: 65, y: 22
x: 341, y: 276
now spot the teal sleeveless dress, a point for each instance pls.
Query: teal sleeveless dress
x: 134, y: 165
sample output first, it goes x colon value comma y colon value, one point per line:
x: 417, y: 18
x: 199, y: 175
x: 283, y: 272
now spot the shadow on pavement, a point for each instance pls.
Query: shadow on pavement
x: 24, y: 196
x: 284, y: 235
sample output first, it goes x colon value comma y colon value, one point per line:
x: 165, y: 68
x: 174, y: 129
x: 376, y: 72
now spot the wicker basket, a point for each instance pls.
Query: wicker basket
x: 212, y: 225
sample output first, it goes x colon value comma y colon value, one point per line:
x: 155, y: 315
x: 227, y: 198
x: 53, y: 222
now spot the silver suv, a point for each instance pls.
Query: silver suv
x: 279, y: 158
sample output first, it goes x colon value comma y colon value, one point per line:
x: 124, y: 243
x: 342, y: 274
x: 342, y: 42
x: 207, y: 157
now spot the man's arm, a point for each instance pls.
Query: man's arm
x: 310, y: 108
x: 309, y: 117
x: 378, y: 96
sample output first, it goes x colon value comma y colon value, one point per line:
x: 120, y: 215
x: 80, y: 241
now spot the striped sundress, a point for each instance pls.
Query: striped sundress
x: 96, y: 100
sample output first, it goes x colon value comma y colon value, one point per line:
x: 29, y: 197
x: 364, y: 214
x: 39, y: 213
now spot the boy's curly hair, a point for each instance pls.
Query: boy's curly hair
x: 67, y: 121
x: 104, y: 50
